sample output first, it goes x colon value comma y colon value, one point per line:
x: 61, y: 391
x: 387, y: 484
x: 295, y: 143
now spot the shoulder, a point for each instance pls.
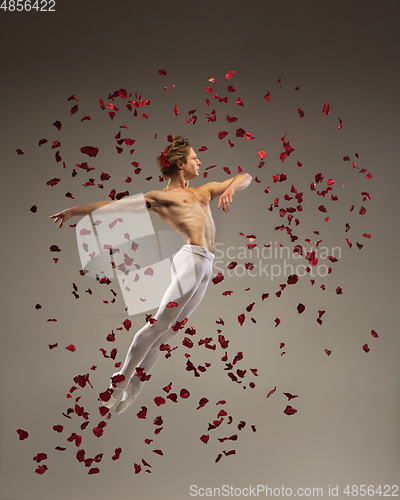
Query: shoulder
x: 156, y: 198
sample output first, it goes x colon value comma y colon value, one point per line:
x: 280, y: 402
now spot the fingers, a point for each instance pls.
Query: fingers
x: 58, y: 217
x: 224, y: 201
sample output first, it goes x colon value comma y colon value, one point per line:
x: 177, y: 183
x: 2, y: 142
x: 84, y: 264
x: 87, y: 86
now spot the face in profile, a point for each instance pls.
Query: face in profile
x: 192, y: 166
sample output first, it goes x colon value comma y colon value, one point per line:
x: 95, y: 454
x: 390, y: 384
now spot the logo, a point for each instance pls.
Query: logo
x: 118, y: 241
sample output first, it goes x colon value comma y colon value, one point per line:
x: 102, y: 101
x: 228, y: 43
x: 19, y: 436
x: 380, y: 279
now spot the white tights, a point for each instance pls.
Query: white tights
x: 190, y: 271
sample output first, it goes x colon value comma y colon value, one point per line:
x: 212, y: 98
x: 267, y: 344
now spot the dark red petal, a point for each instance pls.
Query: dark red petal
x: 301, y: 308
x: 374, y: 334
x: 366, y: 348
x: 290, y: 411
x: 159, y: 401
x: 271, y: 392
x: 241, y: 319
x: 205, y: 438
x: 290, y: 396
x: 218, y: 278
x: 202, y: 402
x: 94, y: 470
x: 53, y: 182
x: 71, y: 348
x: 22, y: 434
x: 159, y: 452
x: 184, y: 393
x: 326, y: 109
x: 162, y: 72
x: 142, y: 413
x: 58, y: 428
x: 41, y: 469
x: 158, y: 421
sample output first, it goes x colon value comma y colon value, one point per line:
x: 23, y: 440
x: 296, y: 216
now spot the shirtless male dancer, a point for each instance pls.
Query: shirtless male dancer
x: 187, y: 210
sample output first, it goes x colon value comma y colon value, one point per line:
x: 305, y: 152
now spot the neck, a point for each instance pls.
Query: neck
x: 178, y: 181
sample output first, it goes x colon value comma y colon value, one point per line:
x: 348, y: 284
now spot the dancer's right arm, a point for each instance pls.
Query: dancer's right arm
x: 125, y: 205
x: 81, y: 210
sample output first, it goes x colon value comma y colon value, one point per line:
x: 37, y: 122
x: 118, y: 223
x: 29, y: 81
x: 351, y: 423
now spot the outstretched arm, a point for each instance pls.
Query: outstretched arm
x: 226, y: 189
x: 126, y: 205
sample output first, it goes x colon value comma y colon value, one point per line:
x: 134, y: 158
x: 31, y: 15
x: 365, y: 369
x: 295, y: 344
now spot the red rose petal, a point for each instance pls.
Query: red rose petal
x: 53, y: 182
x: 326, y: 109
x: 142, y: 413
x: 301, y: 308
x: 159, y: 452
x: 202, y: 403
x: 374, y: 334
x: 184, y: 393
x: 271, y: 392
x: 90, y: 151
x: 71, y: 348
x: 204, y: 438
x: 22, y: 434
x: 366, y: 348
x: 41, y: 469
x: 159, y: 401
x: 39, y: 457
x: 290, y: 411
x: 218, y: 278
x: 290, y: 396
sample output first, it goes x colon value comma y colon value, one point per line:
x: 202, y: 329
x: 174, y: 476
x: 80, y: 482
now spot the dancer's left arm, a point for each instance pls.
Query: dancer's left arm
x: 226, y: 189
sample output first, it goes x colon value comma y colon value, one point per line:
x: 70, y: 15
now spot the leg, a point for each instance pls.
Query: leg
x: 184, y: 264
x: 135, y: 384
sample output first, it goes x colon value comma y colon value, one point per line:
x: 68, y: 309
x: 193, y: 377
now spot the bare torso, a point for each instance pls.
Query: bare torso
x: 188, y: 211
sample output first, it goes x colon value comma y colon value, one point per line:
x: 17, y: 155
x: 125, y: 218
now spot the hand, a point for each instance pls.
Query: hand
x: 226, y: 198
x: 62, y: 216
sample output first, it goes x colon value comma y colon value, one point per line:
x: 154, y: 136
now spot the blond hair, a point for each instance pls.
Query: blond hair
x: 168, y: 159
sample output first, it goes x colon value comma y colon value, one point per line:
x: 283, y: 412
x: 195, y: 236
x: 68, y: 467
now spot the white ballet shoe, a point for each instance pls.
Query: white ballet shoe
x: 128, y: 397
x: 116, y: 394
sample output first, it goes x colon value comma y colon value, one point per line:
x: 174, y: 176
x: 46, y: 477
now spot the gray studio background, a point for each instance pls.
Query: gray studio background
x: 346, y: 429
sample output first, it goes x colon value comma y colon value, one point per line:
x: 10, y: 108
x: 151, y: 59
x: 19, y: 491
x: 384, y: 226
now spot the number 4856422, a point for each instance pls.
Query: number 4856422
x: 28, y: 5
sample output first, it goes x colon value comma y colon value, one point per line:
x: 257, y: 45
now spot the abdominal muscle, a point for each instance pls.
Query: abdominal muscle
x: 192, y: 219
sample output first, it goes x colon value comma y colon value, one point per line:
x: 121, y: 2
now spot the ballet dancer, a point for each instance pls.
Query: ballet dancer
x: 187, y: 210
